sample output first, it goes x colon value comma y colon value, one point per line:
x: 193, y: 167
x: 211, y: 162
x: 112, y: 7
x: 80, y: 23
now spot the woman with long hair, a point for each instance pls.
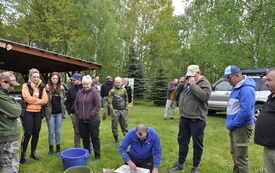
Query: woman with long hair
x: 55, y: 110
x: 34, y: 93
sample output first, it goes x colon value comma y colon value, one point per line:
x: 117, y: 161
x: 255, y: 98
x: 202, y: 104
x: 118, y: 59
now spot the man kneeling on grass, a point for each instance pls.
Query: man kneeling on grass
x: 145, y: 149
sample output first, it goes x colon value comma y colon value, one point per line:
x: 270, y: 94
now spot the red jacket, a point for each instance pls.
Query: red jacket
x: 87, y: 105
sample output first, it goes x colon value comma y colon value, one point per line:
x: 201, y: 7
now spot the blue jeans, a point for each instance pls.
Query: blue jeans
x: 54, y: 126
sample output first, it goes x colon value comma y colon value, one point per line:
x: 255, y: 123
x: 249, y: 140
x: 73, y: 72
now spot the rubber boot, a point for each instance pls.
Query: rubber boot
x: 50, y: 150
x: 34, y: 156
x: 57, y: 149
x: 24, y: 146
x: 24, y: 159
x: 116, y: 139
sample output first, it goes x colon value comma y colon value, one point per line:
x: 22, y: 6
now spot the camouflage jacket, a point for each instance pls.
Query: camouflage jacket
x: 118, y: 98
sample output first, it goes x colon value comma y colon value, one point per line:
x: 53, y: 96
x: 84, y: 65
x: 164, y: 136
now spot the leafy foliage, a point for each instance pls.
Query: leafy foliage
x: 211, y: 34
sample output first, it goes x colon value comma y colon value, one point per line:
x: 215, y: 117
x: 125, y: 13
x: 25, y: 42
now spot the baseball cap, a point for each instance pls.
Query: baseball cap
x: 192, y: 70
x: 10, y: 78
x: 232, y: 69
x: 76, y: 76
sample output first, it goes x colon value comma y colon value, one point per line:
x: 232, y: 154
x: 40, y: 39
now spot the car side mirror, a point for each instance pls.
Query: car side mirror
x: 213, y: 88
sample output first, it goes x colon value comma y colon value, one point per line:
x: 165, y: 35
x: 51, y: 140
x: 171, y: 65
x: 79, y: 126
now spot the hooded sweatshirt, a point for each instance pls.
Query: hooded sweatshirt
x: 105, y: 88
x: 241, y: 104
x: 30, y: 99
x: 87, y: 105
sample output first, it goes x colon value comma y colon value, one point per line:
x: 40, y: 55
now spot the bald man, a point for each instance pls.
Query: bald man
x: 118, y: 105
x: 145, y: 150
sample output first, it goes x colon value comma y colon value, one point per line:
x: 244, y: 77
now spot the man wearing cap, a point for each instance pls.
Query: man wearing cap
x: 105, y: 88
x: 193, y: 93
x: 240, y: 116
x: 77, y: 85
x: 10, y: 111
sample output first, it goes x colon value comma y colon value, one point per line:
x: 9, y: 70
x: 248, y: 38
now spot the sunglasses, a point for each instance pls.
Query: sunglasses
x: 8, y: 82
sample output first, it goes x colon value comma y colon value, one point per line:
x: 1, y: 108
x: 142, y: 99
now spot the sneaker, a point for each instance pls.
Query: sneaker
x: 165, y: 118
x: 96, y: 160
x: 171, y: 118
x: 177, y: 167
x: 194, y: 170
x: 104, y: 118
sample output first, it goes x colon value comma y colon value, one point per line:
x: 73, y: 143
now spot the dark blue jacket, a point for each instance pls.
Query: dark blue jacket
x: 105, y: 88
x: 71, y: 98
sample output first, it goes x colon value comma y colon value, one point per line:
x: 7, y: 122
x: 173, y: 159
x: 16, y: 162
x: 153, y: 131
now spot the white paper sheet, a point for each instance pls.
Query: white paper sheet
x: 126, y: 169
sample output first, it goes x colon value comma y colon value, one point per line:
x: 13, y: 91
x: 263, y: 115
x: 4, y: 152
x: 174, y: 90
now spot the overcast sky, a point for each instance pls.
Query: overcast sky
x: 179, y: 4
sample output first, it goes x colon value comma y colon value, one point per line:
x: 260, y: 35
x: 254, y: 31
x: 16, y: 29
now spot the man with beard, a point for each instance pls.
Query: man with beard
x: 118, y: 104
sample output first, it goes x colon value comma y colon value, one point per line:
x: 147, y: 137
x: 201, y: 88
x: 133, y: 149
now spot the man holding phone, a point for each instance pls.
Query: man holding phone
x: 193, y: 93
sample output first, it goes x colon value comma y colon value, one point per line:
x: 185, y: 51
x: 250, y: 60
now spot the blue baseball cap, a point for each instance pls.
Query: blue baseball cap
x: 76, y: 76
x: 232, y: 69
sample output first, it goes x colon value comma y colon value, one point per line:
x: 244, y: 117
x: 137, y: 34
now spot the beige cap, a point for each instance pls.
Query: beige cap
x: 9, y: 77
x: 192, y: 70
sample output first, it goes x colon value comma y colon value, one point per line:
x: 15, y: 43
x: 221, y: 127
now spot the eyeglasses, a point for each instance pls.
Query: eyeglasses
x: 229, y: 77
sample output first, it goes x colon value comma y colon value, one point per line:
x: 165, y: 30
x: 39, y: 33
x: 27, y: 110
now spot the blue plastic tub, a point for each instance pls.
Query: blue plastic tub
x: 74, y: 157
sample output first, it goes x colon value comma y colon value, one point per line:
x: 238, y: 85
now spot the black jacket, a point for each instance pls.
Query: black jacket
x: 71, y: 98
x: 265, y: 124
x: 129, y: 92
x: 105, y: 88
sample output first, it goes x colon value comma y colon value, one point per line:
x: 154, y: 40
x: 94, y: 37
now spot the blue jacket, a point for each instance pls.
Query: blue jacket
x: 241, y: 105
x: 151, y: 146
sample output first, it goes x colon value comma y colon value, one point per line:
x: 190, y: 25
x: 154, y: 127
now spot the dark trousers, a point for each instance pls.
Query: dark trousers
x: 146, y: 163
x: 191, y: 128
x: 32, y: 124
x: 90, y: 131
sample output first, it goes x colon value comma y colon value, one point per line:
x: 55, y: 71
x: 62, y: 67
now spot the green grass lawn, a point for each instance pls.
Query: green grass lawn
x: 216, y: 157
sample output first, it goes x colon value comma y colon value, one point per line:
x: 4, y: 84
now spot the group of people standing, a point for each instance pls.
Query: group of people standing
x: 192, y: 93
x: 83, y: 102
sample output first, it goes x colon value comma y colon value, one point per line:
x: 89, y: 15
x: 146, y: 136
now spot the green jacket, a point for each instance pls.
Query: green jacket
x: 118, y: 98
x: 193, y: 104
x: 9, y: 127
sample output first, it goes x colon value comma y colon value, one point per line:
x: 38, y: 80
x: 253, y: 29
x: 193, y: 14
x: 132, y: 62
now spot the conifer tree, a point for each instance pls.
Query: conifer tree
x: 159, y: 88
x: 135, y: 69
